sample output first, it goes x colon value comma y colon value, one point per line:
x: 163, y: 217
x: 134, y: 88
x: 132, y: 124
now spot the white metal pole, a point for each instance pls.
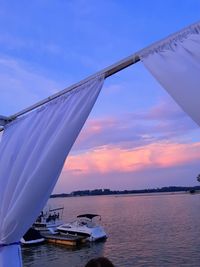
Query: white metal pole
x: 114, y: 68
x: 107, y: 72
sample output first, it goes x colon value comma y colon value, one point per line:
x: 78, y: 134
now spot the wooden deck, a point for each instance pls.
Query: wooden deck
x: 67, y: 240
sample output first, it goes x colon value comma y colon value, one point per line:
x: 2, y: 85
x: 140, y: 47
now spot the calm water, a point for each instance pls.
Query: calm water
x: 161, y: 230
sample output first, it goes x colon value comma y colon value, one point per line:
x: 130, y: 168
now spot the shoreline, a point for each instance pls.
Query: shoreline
x: 107, y: 192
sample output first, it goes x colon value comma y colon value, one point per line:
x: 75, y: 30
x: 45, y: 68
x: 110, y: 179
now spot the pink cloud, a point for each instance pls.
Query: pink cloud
x: 109, y: 159
x: 158, y: 123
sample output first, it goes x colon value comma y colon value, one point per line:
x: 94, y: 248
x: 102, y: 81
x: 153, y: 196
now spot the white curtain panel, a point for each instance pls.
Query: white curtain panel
x: 175, y: 63
x: 33, y: 150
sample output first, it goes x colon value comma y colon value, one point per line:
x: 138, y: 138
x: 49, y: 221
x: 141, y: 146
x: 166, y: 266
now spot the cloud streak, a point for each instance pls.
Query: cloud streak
x: 158, y: 138
x: 161, y: 122
x: 22, y: 85
x: 110, y: 159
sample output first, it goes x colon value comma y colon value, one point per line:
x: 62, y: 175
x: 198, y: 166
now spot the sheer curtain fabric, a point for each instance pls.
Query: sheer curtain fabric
x: 175, y: 63
x: 33, y: 150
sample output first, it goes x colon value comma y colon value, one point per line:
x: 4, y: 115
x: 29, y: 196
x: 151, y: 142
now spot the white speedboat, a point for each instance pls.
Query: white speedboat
x: 49, y: 220
x: 84, y: 226
x: 32, y: 237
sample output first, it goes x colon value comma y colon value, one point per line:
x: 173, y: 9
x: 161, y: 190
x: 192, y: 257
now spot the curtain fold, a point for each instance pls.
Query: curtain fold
x: 33, y: 150
x: 175, y: 63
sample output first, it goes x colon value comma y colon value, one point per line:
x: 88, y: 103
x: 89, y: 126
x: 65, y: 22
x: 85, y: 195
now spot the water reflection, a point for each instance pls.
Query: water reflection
x: 58, y: 255
x: 143, y: 231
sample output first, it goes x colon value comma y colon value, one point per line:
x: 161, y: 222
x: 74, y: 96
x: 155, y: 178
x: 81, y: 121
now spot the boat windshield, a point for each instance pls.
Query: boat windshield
x: 86, y: 222
x: 89, y: 216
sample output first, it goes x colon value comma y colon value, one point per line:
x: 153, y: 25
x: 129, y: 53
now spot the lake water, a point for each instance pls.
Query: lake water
x: 150, y: 230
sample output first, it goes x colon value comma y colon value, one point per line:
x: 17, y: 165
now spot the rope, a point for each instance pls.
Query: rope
x: 9, y: 244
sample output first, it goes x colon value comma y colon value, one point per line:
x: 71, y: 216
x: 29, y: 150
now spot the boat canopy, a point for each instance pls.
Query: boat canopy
x: 88, y: 215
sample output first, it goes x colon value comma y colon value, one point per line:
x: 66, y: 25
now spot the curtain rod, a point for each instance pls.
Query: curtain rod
x: 109, y: 71
x: 120, y: 65
x: 112, y: 69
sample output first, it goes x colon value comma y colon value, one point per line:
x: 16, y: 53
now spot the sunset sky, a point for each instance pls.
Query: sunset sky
x: 136, y: 136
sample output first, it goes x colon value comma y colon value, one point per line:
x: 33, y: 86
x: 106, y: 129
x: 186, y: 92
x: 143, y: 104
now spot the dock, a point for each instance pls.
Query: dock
x: 67, y: 240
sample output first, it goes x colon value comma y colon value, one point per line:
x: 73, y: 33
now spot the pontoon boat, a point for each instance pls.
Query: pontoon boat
x: 49, y: 220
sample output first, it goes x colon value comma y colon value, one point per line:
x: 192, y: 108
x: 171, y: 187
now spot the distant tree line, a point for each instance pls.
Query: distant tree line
x: 99, y: 192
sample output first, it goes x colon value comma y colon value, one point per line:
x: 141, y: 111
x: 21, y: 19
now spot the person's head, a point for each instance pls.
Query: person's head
x: 99, y: 262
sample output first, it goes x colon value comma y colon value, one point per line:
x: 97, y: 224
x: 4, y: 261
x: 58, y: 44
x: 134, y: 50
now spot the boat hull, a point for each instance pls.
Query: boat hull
x: 90, y: 235
x: 32, y: 242
x: 32, y: 237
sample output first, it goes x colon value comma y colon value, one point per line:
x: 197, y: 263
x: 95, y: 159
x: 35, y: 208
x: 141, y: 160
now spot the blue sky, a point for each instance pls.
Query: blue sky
x: 46, y: 46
